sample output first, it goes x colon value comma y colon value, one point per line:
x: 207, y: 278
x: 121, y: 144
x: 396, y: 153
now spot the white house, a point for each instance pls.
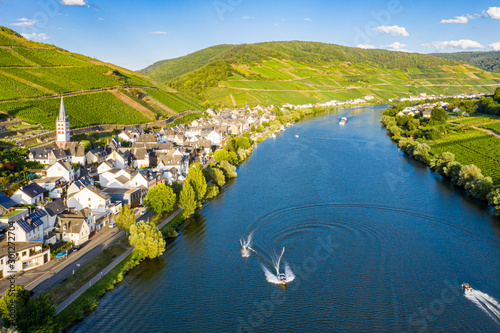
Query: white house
x: 53, y: 185
x: 30, y: 228
x: 28, y: 255
x: 62, y: 169
x: 30, y: 194
x: 90, y: 197
x: 52, y: 209
x: 74, y: 227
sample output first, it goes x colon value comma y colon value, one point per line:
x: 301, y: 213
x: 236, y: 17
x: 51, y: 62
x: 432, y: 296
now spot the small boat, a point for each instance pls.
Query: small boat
x: 296, y: 136
x: 343, y: 121
x: 281, y: 278
x: 466, y: 286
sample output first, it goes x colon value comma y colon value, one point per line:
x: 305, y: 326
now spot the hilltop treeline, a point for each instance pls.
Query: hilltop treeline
x: 489, y: 61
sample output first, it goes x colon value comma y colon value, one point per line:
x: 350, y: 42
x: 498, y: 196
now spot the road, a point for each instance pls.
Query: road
x: 55, y: 271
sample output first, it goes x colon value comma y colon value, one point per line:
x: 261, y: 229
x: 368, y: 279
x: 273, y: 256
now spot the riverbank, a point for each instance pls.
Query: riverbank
x: 455, y: 149
x: 86, y: 299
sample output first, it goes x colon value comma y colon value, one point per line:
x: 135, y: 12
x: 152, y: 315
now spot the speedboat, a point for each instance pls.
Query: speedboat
x: 466, y: 286
x: 281, y: 278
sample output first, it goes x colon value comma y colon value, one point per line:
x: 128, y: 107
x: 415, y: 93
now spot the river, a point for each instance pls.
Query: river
x: 377, y: 243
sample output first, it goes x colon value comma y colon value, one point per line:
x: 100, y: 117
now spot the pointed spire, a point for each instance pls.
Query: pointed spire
x: 62, y: 111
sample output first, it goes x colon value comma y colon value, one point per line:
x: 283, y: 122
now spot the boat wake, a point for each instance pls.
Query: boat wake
x: 272, y: 278
x: 485, y: 302
x: 245, y: 246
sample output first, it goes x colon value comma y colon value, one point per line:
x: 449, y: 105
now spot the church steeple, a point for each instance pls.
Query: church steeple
x: 62, y: 112
x: 62, y: 126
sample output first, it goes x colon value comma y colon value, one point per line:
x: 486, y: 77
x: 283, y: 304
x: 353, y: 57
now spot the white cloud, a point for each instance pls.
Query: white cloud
x: 495, y: 46
x: 462, y: 44
x: 24, y: 22
x: 74, y: 2
x: 158, y: 32
x: 457, y: 19
x: 307, y: 19
x: 365, y: 46
x: 393, y: 30
x: 494, y: 12
x: 397, y: 46
x: 246, y: 17
x: 35, y: 36
x: 100, y: 19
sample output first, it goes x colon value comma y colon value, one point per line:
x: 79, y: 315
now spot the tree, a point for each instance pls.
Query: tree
x: 17, y: 296
x: 187, y: 200
x: 468, y: 173
x: 452, y: 170
x: 225, y: 155
x: 480, y: 187
x: 147, y: 239
x: 196, y: 179
x: 216, y: 175
x: 38, y: 315
x: 125, y: 218
x: 212, y: 191
x: 421, y: 152
x: 494, y: 199
x: 160, y: 198
x: 229, y: 169
x: 439, y: 115
x: 437, y: 165
x: 496, y: 97
x: 177, y: 188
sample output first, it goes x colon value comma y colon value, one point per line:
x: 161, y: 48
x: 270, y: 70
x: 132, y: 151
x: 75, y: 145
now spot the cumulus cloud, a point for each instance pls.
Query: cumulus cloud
x: 393, y: 30
x: 366, y: 46
x: 397, y: 46
x: 495, y: 46
x: 463, y: 44
x: 457, y: 19
x: 159, y: 32
x: 74, y: 2
x: 24, y: 22
x: 35, y: 36
x: 494, y: 12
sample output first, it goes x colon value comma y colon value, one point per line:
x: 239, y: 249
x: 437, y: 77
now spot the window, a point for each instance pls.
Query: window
x: 89, y: 199
x: 23, y: 254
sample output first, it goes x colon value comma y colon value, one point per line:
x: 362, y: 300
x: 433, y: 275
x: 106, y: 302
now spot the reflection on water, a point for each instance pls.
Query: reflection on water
x: 375, y: 242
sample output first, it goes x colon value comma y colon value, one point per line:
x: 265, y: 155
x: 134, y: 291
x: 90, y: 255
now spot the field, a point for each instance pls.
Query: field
x: 82, y: 110
x: 284, y: 82
x: 31, y: 71
x: 493, y: 126
x: 473, y: 147
x: 176, y: 101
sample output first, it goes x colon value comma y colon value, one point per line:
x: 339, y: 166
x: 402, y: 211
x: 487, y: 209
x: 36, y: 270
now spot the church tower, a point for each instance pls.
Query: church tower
x: 62, y: 126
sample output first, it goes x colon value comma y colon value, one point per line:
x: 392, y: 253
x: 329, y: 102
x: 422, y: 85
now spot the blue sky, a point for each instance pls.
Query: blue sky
x: 134, y: 34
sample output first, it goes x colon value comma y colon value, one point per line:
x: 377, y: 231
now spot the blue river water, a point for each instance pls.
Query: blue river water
x: 376, y: 241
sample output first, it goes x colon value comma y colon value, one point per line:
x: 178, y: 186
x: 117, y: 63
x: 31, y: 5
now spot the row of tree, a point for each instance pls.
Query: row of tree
x: 469, y: 177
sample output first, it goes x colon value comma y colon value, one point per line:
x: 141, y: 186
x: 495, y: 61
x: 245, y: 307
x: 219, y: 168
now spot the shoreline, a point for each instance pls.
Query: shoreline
x: 176, y: 220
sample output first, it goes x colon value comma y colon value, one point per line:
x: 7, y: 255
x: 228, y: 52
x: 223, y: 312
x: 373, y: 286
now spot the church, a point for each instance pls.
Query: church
x: 62, y: 127
x: 63, y: 149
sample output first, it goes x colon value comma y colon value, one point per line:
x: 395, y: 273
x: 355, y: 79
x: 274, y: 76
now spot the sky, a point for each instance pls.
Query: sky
x: 136, y: 33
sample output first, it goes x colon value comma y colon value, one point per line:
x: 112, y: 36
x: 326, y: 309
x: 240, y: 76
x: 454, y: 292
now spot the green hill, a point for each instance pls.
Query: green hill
x: 34, y: 75
x: 305, y: 72
x: 489, y: 61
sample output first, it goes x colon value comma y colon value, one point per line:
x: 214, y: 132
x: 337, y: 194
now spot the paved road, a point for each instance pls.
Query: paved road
x: 56, y: 270
x: 108, y: 268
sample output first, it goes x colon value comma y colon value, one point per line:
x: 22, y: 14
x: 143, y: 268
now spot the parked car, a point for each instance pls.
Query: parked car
x: 62, y: 254
x: 144, y: 212
x: 77, y: 247
x: 112, y: 224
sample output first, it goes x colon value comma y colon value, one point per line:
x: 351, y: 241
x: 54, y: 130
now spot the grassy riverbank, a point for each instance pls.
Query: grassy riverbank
x: 464, y: 149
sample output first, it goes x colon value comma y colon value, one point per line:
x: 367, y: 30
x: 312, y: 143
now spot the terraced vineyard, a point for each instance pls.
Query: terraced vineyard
x: 82, y: 110
x: 33, y: 75
x: 474, y: 147
x: 307, y: 72
x: 493, y: 126
x: 176, y: 101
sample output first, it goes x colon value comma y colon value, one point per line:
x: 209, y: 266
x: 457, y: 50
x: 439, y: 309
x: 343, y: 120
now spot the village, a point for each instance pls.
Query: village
x: 78, y: 192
